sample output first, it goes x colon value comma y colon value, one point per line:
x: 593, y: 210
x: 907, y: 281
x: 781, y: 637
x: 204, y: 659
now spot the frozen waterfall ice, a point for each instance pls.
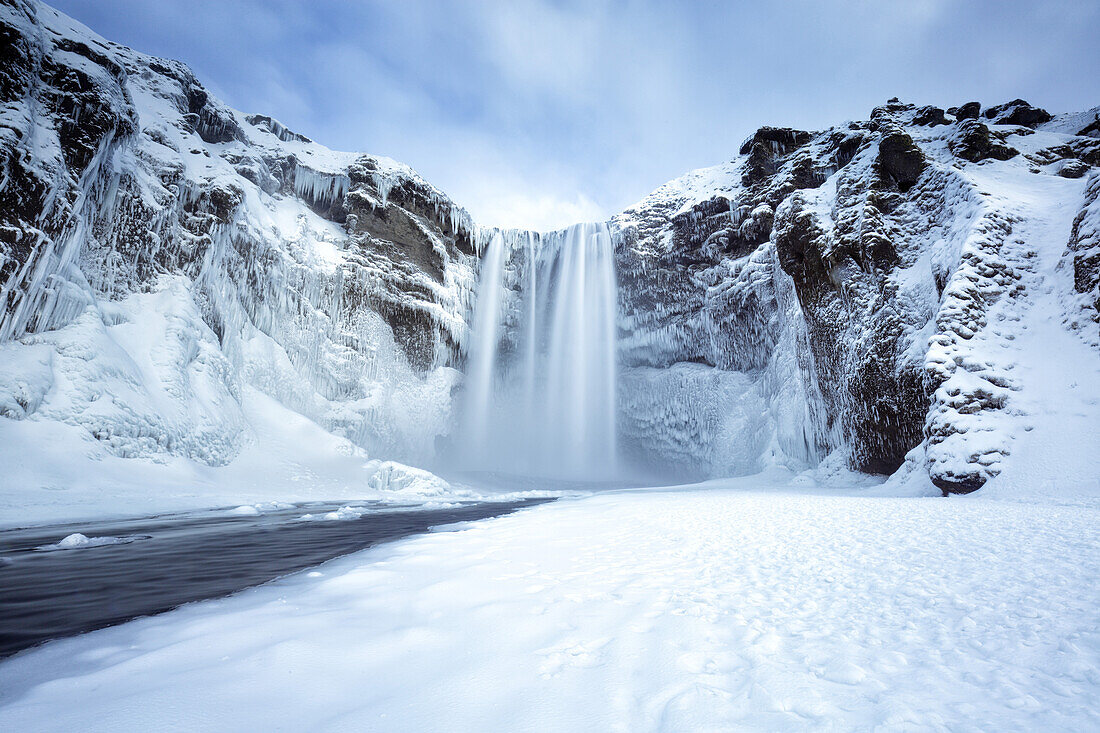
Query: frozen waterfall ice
x: 541, y: 388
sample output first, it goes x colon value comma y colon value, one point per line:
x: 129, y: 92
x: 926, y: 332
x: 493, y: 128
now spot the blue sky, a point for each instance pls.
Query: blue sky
x: 538, y: 113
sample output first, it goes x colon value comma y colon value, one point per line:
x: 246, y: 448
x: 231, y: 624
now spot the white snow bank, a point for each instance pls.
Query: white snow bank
x: 77, y: 540
x: 342, y: 514
x: 397, y: 483
x: 389, y: 476
x: 661, y: 610
x: 255, y: 510
x: 54, y: 473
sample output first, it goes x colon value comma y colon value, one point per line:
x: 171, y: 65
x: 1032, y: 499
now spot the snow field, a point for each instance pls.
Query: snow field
x: 1054, y: 373
x: 635, y: 611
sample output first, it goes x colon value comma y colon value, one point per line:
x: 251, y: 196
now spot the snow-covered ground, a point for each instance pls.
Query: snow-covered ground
x: 731, y: 605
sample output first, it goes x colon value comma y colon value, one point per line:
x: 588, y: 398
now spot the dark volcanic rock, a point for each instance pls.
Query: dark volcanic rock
x: 975, y: 142
x: 1073, y: 169
x: 953, y: 484
x: 878, y: 401
x: 1081, y: 150
x: 1084, y: 244
x: 765, y: 147
x: 968, y: 111
x: 900, y: 159
x: 1088, y: 153
x: 779, y: 140
x: 800, y: 250
x: 394, y: 238
x: 930, y: 116
x: 1017, y: 112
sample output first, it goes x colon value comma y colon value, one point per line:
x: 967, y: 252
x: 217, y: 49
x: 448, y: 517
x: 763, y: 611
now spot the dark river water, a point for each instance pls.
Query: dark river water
x: 158, y: 563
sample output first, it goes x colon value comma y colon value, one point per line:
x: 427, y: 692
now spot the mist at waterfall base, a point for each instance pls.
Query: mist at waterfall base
x: 541, y: 385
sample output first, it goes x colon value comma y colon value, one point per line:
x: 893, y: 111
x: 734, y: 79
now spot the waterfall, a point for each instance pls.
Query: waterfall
x: 541, y: 386
x: 486, y: 330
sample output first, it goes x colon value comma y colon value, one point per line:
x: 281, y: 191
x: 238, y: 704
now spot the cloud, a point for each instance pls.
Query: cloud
x: 533, y: 111
x: 540, y: 212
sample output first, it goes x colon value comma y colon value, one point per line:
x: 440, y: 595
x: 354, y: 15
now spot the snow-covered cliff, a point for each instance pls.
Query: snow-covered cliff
x: 890, y: 293
x: 162, y: 255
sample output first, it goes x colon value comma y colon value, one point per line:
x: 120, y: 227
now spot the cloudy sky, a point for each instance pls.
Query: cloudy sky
x: 538, y: 113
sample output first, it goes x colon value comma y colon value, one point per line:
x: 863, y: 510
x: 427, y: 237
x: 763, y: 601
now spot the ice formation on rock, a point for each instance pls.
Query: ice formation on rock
x: 322, y: 189
x: 160, y: 252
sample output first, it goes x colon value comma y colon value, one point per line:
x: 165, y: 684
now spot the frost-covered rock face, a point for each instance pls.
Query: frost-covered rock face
x: 861, y: 283
x: 1084, y: 251
x: 700, y: 283
x: 337, y: 283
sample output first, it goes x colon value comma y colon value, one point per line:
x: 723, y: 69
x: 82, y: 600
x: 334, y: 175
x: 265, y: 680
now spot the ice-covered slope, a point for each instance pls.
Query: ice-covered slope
x: 161, y: 255
x: 916, y: 291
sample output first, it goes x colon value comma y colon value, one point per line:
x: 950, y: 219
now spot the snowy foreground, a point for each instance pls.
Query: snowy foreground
x: 711, y: 607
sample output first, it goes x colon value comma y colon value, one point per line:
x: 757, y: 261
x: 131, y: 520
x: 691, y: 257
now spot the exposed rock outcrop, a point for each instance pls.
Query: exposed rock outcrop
x: 974, y: 142
x: 1017, y: 112
x: 968, y: 111
x: 1084, y: 253
x: 930, y: 116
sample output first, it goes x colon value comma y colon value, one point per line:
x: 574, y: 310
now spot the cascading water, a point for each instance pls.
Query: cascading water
x: 486, y: 332
x: 542, y: 381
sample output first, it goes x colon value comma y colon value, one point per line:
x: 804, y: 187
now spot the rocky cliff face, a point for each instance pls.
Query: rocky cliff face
x: 863, y: 276
x: 855, y: 295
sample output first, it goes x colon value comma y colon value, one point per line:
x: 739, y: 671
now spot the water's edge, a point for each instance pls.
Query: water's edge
x: 164, y: 562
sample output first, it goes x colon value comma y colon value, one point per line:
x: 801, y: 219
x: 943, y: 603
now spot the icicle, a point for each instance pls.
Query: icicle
x: 49, y: 290
x: 321, y: 189
x: 384, y: 183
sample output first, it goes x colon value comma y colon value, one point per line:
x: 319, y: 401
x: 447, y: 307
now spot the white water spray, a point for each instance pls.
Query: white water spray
x: 542, y: 378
